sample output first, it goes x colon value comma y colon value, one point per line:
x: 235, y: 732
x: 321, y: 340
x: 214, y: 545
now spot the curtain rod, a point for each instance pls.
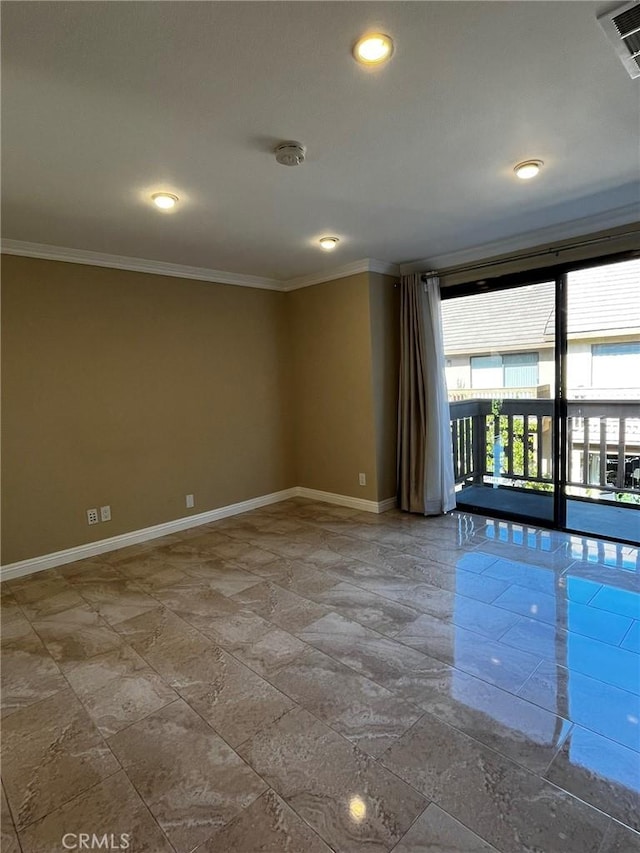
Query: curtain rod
x: 540, y: 254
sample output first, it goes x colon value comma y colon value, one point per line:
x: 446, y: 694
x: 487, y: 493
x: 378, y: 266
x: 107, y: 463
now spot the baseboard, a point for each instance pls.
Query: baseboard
x: 389, y: 503
x: 92, y: 549
x: 135, y: 537
x: 346, y: 500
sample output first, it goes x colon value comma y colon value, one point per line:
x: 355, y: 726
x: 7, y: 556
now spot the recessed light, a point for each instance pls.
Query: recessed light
x: 529, y: 169
x: 165, y: 201
x: 373, y: 49
x: 329, y: 243
x: 357, y: 809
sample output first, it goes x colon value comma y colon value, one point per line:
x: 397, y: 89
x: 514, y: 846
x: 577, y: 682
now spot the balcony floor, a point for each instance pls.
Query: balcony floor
x: 600, y: 519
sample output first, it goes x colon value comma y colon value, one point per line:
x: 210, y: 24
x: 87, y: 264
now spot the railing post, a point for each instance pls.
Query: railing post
x: 539, y: 446
x: 603, y: 451
x: 456, y: 449
x: 570, y: 429
x: 468, y: 447
x: 621, y: 453
x: 479, y: 432
x: 585, y: 451
x: 510, y: 447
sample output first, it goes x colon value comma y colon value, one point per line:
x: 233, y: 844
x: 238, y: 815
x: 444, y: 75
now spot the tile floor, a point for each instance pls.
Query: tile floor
x: 310, y: 678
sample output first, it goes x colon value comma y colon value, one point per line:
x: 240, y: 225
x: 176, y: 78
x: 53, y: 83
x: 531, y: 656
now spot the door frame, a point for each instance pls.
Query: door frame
x: 557, y: 273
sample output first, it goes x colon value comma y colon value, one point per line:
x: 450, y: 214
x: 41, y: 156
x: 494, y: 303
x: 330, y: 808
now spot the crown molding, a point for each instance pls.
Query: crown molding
x: 355, y: 267
x: 122, y: 262
x: 626, y: 215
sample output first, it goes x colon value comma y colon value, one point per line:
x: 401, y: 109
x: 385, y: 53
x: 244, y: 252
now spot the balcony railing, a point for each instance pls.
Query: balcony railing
x: 508, y: 442
x: 520, y: 393
x: 605, y: 434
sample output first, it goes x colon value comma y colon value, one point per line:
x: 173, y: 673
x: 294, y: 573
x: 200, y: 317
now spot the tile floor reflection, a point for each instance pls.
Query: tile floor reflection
x: 307, y: 677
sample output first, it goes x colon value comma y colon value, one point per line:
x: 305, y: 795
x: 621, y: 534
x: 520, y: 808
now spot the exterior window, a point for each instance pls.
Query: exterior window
x: 520, y: 369
x: 615, y: 365
x: 486, y: 371
x: 515, y: 370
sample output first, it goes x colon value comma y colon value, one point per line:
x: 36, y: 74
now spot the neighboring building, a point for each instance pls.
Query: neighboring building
x: 498, y: 341
x: 505, y: 339
x: 603, y: 319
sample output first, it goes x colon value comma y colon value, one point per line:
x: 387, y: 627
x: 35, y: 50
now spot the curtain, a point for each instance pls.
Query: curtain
x: 425, y: 460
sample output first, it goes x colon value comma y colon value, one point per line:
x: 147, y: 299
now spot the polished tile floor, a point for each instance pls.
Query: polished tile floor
x: 309, y: 678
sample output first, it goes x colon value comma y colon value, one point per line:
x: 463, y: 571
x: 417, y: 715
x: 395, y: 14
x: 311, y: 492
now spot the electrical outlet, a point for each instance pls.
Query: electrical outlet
x: 362, y: 479
x: 189, y: 501
x: 105, y: 513
x: 92, y: 516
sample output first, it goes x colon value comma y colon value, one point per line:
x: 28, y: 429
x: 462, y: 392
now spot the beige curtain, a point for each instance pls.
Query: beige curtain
x: 425, y: 462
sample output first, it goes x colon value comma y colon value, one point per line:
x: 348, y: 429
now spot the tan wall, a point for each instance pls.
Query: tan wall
x: 333, y: 387
x: 133, y: 390
x: 384, y: 299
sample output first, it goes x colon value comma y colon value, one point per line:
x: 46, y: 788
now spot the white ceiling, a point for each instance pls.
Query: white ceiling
x: 106, y: 102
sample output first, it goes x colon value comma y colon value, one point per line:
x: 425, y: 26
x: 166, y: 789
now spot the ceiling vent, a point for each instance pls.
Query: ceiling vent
x: 622, y: 27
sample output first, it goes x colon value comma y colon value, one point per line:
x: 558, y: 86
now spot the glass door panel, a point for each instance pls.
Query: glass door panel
x: 602, y: 488
x: 500, y: 367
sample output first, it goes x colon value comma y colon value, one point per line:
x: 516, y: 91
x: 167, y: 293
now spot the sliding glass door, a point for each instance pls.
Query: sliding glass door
x: 544, y: 389
x: 602, y: 488
x: 500, y: 367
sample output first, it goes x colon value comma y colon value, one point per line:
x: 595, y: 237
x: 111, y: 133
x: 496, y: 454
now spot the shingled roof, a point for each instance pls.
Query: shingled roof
x: 605, y: 299
x: 501, y: 320
x: 602, y: 299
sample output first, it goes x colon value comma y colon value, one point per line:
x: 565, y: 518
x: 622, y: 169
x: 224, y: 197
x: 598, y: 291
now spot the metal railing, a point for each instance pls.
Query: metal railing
x: 509, y: 442
x: 606, y: 435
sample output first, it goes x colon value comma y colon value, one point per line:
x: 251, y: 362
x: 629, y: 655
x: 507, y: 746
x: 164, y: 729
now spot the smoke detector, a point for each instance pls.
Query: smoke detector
x: 622, y: 27
x: 290, y: 153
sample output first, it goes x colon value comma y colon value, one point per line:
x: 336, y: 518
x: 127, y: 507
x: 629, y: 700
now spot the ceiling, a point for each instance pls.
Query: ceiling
x: 107, y: 102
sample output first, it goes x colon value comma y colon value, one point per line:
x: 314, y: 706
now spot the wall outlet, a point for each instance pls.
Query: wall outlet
x: 105, y: 513
x: 362, y: 479
x: 189, y: 501
x: 92, y: 516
